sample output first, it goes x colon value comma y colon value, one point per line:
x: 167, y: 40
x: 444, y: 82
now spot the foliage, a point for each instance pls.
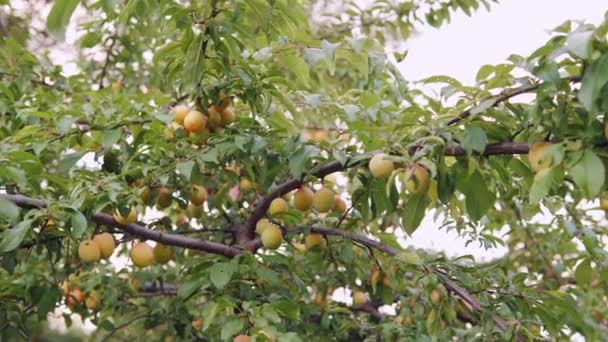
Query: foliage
x: 313, y: 94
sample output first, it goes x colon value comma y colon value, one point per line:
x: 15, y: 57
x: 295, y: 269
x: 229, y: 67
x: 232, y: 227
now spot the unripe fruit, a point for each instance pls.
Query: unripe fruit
x: 142, y: 254
x: 215, y: 117
x: 278, y: 205
x: 75, y: 296
x: 228, y: 115
x: 417, y: 180
x: 179, y: 113
x: 92, y: 301
x: 88, y: 251
x: 246, y: 184
x: 164, y: 198
x: 536, y: 156
x: 302, y: 199
x: 117, y: 85
x: 381, y: 167
x: 162, y: 253
x: 197, y: 194
x: 288, y: 196
x: 181, y: 219
x: 272, y: 237
x: 436, y: 296
x: 197, y: 323
x: 300, y: 247
x: 323, y: 200
x: 315, y: 241
x: 339, y: 205
x: 65, y: 287
x: 144, y: 195
x: 242, y: 338
x: 604, y: 201
x: 195, y: 211
x: 359, y: 298
x: 262, y: 225
x: 133, y: 284
x: 606, y: 131
x: 106, y: 244
x: 321, y: 136
x: 125, y: 220
x: 195, y: 121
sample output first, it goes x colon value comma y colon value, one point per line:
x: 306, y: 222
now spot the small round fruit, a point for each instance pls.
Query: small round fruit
x: 315, y: 241
x: 278, y: 205
x: 106, y: 244
x: 197, y: 323
x: 195, y: 121
x: 299, y: 247
x: 323, y: 200
x: 130, y: 218
x: 242, y: 338
x: 339, y: 205
x: 245, y: 184
x: 537, y: 156
x: 179, y: 113
x: 142, y: 254
x: 162, y: 254
x: 302, y: 199
x: 215, y: 117
x: 606, y: 131
x: 359, y: 298
x: 144, y: 195
x: 164, y: 198
x: 133, y: 283
x: 436, y: 296
x: 262, y: 225
x: 92, y: 301
x: 75, y: 296
x: 272, y: 237
x: 181, y: 219
x: 380, y: 166
x: 197, y: 194
x: 417, y: 180
x: 195, y: 211
x: 288, y: 196
x: 88, y: 251
x: 228, y: 115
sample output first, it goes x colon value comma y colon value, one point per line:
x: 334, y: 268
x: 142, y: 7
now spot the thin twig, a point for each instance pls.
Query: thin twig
x: 123, y: 325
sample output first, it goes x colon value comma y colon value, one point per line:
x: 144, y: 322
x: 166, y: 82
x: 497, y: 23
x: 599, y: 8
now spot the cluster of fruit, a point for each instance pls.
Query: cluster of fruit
x: 416, y: 178
x: 194, y: 122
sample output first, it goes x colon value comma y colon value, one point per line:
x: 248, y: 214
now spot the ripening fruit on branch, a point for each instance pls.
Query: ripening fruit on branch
x: 538, y: 157
x: 75, y: 296
x: 164, y: 198
x: 195, y: 122
x: 315, y: 241
x: 141, y: 254
x: 604, y: 201
x: 215, y: 117
x: 197, y: 323
x: 144, y: 194
x: 197, y: 194
x: 179, y: 113
x: 302, y: 199
x: 195, y: 211
x: 436, y: 296
x: 88, y: 251
x: 378, y: 277
x: 242, y: 338
x: 417, y: 179
x: 380, y: 166
x: 324, y: 200
x: 245, y: 184
x: 262, y: 224
x: 278, y: 205
x: 272, y: 237
x: 106, y: 244
x: 92, y: 302
x: 339, y: 205
x: 299, y: 247
x: 359, y: 298
x: 228, y: 115
x: 130, y: 218
x: 133, y: 284
x: 162, y: 253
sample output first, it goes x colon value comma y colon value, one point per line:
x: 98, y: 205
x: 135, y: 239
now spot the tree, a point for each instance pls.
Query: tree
x: 187, y: 141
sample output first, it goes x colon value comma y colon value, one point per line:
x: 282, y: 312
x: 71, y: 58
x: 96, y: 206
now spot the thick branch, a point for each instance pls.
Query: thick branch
x: 138, y: 230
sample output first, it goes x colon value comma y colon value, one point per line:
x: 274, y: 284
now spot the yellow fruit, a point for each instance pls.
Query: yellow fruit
x: 339, y: 205
x: 302, y: 199
x: 142, y: 254
x: 88, y: 251
x: 162, y: 253
x: 436, y: 296
x: 116, y: 85
x: 197, y: 194
x: 262, y: 225
x: 228, y: 115
x: 195, y: 121
x: 242, y: 338
x: 408, y: 320
x: 288, y: 196
x: 106, y: 244
x: 246, y: 184
x: 215, y: 117
x: 537, y: 156
x: 195, y: 211
x: 133, y: 283
x: 315, y: 241
x: 65, y: 287
x: 380, y: 166
x: 417, y: 179
x: 606, y: 131
x: 179, y: 113
x: 197, y: 323
x: 92, y: 301
x: 321, y: 136
x: 300, y: 247
x: 272, y: 237
x: 359, y: 298
x: 144, y: 195
x: 323, y: 200
x: 164, y: 198
x: 125, y: 220
x: 278, y: 205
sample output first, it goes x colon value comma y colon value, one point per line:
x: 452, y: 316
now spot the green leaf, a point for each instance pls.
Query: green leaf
x: 543, y: 181
x: 299, y: 68
x: 187, y: 289
x: 231, y: 328
x: 185, y: 168
x: 475, y: 139
x: 9, y: 211
x: 13, y: 237
x: 110, y: 137
x: 413, y: 213
x: 287, y: 309
x: 297, y: 162
x: 588, y: 173
x: 583, y: 273
x: 59, y: 17
x: 479, y: 197
x: 594, y: 79
x: 579, y: 43
x: 221, y: 273
x: 79, y: 224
